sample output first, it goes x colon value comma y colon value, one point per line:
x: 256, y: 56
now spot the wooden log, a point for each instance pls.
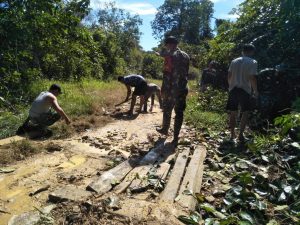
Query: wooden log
x: 193, y: 179
x: 141, y: 170
x: 68, y: 193
x: 171, y: 189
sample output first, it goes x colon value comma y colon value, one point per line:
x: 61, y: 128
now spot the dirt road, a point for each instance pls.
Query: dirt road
x: 76, y: 163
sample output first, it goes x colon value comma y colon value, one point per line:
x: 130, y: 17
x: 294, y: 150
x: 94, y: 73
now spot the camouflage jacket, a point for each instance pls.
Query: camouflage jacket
x: 177, y: 79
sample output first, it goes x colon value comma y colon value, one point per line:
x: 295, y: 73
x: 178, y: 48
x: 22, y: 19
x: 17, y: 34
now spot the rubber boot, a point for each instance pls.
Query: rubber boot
x: 177, y: 126
x: 24, y: 128
x: 166, y: 124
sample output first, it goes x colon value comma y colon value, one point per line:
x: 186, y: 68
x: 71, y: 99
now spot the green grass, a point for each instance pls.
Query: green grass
x: 9, y: 122
x: 78, y: 99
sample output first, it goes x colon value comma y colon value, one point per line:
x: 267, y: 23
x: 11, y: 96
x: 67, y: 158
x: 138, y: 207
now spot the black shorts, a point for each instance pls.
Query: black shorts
x: 238, y: 96
x: 140, y: 89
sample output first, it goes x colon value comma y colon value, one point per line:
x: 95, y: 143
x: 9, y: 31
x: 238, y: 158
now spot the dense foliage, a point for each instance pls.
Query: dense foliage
x: 272, y: 26
x: 47, y: 39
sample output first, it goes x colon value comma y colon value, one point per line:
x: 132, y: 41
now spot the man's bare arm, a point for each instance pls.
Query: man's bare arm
x: 59, y: 110
x: 128, y: 92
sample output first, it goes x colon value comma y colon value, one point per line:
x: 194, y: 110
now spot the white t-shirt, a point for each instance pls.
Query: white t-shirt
x: 40, y: 105
x: 242, y: 69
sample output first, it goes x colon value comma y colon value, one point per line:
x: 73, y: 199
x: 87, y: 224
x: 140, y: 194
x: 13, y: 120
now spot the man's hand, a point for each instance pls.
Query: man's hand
x: 130, y: 112
x: 68, y: 121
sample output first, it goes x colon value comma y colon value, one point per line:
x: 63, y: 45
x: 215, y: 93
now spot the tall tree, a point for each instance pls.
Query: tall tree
x: 124, y: 29
x: 187, y: 19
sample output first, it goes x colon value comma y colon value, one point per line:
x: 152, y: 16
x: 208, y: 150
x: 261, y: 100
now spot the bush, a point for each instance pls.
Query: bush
x: 212, y: 100
x: 152, y: 66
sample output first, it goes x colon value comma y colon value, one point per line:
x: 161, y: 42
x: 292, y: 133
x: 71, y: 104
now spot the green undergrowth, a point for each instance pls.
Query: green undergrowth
x: 251, y: 183
x: 206, y: 110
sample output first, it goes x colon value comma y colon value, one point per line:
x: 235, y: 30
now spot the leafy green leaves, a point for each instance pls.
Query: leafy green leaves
x: 263, y: 180
x: 193, y: 219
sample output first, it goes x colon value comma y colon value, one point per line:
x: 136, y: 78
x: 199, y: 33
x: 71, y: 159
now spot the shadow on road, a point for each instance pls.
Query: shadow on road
x: 124, y: 116
x: 157, y: 154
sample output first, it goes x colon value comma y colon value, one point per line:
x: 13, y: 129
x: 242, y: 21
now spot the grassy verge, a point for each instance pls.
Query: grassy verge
x: 206, y: 110
x: 83, y: 101
x: 18, y: 150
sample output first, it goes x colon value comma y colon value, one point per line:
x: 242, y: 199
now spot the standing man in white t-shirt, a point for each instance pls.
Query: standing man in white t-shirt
x: 242, y: 84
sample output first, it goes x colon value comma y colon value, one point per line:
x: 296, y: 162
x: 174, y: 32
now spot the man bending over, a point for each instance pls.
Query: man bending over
x: 152, y: 90
x: 140, y: 86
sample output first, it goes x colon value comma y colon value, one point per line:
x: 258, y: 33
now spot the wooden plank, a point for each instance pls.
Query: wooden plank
x: 139, y: 182
x: 142, y: 184
x: 68, y: 193
x: 193, y: 178
x: 171, y: 189
x: 140, y: 171
x: 162, y: 170
x: 104, y: 183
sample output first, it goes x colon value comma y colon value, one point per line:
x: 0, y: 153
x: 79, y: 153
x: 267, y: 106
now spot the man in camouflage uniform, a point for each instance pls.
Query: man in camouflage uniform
x: 174, y: 87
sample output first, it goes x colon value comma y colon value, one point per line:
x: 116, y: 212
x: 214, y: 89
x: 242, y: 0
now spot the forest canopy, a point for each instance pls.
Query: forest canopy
x: 53, y: 40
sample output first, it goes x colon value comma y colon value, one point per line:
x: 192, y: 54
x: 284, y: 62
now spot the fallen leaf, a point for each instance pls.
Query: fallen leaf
x: 7, y: 170
x: 280, y: 207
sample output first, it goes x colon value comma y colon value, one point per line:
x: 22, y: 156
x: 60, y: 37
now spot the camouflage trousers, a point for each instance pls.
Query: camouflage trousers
x: 46, y: 119
x: 178, y: 103
x: 36, y: 127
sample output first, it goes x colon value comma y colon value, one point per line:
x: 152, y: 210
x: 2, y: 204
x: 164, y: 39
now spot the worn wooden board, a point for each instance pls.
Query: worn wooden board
x: 142, y: 184
x: 171, y: 189
x: 68, y: 193
x: 105, y: 182
x: 162, y: 170
x: 141, y: 170
x: 192, y: 179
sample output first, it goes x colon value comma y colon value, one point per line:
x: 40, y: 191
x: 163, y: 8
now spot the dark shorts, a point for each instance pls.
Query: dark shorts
x: 141, y: 89
x: 238, y: 96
